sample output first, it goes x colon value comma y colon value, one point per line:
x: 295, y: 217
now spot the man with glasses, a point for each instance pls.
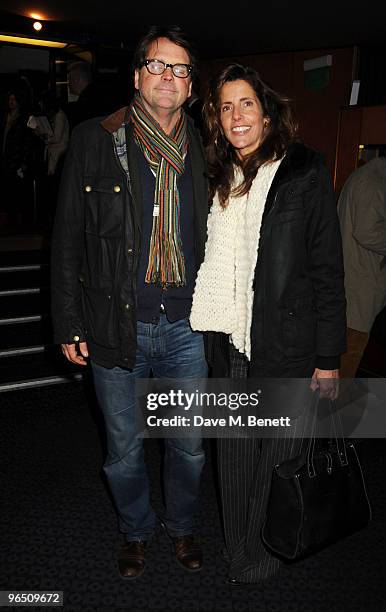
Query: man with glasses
x: 128, y: 240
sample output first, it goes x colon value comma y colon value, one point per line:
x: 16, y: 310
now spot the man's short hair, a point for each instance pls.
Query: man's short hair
x: 82, y: 69
x: 174, y: 34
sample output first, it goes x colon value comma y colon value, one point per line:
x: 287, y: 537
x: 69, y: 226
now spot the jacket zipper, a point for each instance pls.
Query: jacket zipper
x: 274, y: 204
x: 126, y: 175
x: 129, y: 188
x: 124, y: 211
x: 263, y: 274
x: 262, y: 234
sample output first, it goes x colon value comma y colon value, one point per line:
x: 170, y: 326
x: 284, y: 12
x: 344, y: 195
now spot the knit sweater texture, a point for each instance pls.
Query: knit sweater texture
x: 223, y: 295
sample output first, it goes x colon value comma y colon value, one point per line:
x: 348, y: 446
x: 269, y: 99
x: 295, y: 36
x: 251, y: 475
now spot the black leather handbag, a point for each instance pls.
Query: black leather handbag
x: 316, y: 498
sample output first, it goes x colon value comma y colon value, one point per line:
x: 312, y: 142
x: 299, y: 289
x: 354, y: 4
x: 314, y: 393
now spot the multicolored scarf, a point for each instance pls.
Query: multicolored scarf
x: 165, y: 155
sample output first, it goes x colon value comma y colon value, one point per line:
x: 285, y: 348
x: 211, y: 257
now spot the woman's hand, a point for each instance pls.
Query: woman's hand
x: 327, y: 381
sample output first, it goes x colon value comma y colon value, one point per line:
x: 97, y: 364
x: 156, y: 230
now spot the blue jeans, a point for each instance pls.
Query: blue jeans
x: 170, y: 350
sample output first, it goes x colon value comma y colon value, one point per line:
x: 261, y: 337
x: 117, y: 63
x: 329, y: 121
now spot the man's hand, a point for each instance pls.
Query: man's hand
x: 327, y: 381
x: 76, y: 356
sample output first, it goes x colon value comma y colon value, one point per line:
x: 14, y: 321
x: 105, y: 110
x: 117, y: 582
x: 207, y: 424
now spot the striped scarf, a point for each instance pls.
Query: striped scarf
x: 165, y: 155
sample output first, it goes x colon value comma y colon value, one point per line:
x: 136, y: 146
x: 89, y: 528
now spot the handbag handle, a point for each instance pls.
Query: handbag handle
x: 338, y: 439
x: 309, y: 453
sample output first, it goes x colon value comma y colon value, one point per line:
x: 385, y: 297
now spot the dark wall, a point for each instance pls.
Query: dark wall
x: 372, y: 75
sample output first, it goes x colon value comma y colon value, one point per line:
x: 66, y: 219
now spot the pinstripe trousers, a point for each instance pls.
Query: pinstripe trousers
x: 245, y: 469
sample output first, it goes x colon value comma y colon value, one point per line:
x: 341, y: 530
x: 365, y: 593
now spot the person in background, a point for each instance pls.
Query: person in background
x: 55, y: 133
x: 362, y: 215
x: 193, y: 107
x: 128, y: 239
x: 270, y: 287
x: 91, y: 99
x: 80, y: 79
x: 57, y: 141
x: 15, y: 142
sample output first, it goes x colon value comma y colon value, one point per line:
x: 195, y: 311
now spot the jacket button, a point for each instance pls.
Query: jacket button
x: 76, y: 338
x: 88, y: 188
x: 117, y: 188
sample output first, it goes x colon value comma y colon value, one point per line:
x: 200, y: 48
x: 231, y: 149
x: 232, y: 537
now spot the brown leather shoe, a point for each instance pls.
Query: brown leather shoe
x: 188, y: 553
x: 132, y: 559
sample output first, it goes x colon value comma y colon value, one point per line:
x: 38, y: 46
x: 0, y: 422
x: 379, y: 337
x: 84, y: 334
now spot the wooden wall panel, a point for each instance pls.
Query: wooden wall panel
x: 275, y: 68
x: 373, y: 128
x: 318, y: 111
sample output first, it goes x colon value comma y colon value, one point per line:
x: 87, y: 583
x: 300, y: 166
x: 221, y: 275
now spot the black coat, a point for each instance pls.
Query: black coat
x: 93, y: 101
x: 17, y: 146
x: 299, y: 308
x: 97, y: 240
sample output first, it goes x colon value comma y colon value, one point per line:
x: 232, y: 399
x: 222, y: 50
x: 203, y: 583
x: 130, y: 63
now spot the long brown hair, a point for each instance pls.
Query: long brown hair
x: 280, y: 133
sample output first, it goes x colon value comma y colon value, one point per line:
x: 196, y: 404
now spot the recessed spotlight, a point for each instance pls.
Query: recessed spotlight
x: 37, y: 26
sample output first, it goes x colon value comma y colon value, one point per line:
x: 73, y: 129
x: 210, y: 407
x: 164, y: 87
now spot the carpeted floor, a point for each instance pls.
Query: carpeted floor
x: 58, y: 527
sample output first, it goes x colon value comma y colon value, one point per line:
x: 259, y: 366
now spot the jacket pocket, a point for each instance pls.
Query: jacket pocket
x: 100, y: 316
x: 289, y: 216
x: 294, y: 201
x: 299, y: 320
x: 103, y: 205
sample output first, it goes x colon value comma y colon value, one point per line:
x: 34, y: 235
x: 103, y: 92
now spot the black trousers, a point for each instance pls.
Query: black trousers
x: 245, y: 470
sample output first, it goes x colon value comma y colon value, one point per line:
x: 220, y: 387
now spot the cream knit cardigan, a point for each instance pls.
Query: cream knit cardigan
x: 223, y: 295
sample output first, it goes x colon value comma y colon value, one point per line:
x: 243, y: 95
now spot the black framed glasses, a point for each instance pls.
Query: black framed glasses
x: 155, y: 66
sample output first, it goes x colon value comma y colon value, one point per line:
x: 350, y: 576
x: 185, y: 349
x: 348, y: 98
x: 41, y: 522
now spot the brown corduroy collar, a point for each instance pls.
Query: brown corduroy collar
x: 113, y: 122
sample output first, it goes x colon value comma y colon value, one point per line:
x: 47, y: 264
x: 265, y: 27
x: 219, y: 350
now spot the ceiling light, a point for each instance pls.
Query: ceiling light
x: 37, y: 26
x: 32, y: 41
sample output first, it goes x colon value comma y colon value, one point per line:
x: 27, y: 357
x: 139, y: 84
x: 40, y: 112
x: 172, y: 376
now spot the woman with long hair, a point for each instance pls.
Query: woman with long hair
x: 270, y: 288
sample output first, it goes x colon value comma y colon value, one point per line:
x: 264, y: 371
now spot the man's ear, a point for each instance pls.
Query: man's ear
x: 136, y: 78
